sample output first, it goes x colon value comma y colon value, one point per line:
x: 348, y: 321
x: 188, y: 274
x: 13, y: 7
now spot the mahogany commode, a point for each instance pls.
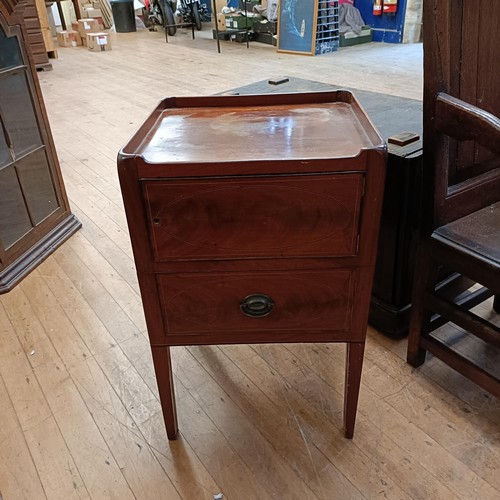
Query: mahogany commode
x: 254, y: 219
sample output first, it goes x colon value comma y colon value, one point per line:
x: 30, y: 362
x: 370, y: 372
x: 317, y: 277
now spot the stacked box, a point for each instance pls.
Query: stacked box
x: 86, y: 26
x: 69, y: 38
x: 93, y: 13
x: 98, y: 42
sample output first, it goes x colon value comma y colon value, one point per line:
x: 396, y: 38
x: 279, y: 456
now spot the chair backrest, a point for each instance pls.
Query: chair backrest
x: 461, y: 106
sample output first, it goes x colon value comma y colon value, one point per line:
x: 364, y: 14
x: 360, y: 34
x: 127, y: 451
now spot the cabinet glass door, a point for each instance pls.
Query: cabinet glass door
x: 27, y: 194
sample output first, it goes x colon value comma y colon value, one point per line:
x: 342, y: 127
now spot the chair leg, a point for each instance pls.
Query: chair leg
x: 164, y: 377
x: 496, y: 303
x: 353, y: 368
x: 425, y: 279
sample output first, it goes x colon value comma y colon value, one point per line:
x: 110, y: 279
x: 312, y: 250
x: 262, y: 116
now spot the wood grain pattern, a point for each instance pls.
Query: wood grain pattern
x: 314, y: 216
x: 208, y: 306
x: 420, y: 434
x: 466, y: 195
x: 41, y: 205
x: 254, y: 218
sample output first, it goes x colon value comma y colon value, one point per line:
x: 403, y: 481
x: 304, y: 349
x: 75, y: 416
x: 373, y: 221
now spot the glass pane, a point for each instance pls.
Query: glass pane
x: 36, y: 182
x: 14, y: 219
x: 4, y: 150
x: 18, y: 113
x: 10, y: 54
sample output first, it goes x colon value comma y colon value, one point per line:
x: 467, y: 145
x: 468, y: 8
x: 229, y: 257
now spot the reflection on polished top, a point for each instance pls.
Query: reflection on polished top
x: 275, y: 132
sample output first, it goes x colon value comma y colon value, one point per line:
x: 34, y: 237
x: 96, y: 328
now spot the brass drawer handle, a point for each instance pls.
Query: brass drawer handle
x: 257, y: 305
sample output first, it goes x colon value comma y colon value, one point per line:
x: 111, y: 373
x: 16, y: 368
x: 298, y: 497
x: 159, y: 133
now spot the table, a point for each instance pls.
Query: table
x: 266, y: 244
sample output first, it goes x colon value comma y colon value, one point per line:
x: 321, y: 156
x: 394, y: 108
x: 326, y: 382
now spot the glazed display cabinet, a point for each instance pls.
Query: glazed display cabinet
x: 34, y: 212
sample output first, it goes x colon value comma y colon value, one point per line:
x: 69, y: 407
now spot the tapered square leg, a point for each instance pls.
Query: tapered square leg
x: 165, y: 381
x: 353, y: 368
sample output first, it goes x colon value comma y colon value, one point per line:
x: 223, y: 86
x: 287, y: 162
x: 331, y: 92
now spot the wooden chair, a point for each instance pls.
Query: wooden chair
x: 462, y: 161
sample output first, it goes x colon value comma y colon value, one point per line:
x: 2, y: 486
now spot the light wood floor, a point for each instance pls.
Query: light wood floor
x: 80, y: 416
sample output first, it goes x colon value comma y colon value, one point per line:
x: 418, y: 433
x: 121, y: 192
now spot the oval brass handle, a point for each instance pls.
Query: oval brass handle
x: 257, y: 305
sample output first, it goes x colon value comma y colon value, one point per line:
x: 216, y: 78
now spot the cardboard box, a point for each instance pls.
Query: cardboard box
x: 219, y: 4
x: 84, y: 40
x: 92, y: 13
x: 221, y: 22
x: 348, y: 39
x: 100, y: 23
x: 86, y: 26
x: 98, y: 42
x: 69, y: 38
x: 74, y: 25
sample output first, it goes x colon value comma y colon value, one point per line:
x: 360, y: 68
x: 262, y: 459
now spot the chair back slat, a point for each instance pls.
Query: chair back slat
x: 461, y: 107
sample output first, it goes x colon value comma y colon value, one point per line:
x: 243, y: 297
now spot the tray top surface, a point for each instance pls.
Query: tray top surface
x: 248, y: 133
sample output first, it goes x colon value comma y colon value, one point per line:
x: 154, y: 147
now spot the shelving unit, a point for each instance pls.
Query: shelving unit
x: 327, y: 31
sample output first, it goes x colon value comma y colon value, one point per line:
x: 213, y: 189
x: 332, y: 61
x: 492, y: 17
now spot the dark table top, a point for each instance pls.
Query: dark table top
x: 390, y: 114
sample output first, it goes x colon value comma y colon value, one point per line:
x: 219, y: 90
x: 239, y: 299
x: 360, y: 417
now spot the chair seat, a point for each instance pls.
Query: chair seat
x: 469, y: 246
x: 476, y: 235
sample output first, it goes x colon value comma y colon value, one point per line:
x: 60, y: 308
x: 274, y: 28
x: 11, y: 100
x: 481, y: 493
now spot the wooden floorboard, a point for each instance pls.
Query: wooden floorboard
x: 80, y: 410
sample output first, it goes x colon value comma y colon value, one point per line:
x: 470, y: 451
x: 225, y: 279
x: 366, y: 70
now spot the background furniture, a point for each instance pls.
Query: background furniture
x: 39, y: 35
x: 462, y: 158
x: 34, y: 212
x: 266, y: 244
x: 401, y: 221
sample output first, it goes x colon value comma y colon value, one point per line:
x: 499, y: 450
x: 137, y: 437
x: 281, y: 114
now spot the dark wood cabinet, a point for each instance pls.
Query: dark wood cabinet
x: 401, y: 221
x: 272, y: 239
x: 34, y: 211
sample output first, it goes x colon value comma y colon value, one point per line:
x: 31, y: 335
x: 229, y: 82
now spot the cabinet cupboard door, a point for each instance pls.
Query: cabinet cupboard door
x: 312, y: 216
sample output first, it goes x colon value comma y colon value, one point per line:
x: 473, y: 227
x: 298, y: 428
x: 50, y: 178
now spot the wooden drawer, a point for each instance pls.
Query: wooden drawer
x: 221, y: 304
x: 301, y: 216
x: 36, y: 38
x: 38, y: 49
x: 32, y: 23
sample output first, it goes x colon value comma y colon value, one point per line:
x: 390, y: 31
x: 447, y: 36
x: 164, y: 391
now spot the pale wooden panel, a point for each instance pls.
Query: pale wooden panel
x: 83, y: 319
x: 122, y: 292
x: 96, y: 295
x: 45, y: 442
x: 143, y: 473
x: 255, y: 421
x: 415, y: 444
x: 18, y: 476
x: 44, y: 23
x: 286, y: 418
x: 95, y: 463
x: 279, y: 429
x: 144, y: 406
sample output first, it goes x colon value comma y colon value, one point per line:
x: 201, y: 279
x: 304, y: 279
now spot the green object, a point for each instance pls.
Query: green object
x: 349, y: 39
x: 241, y: 22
